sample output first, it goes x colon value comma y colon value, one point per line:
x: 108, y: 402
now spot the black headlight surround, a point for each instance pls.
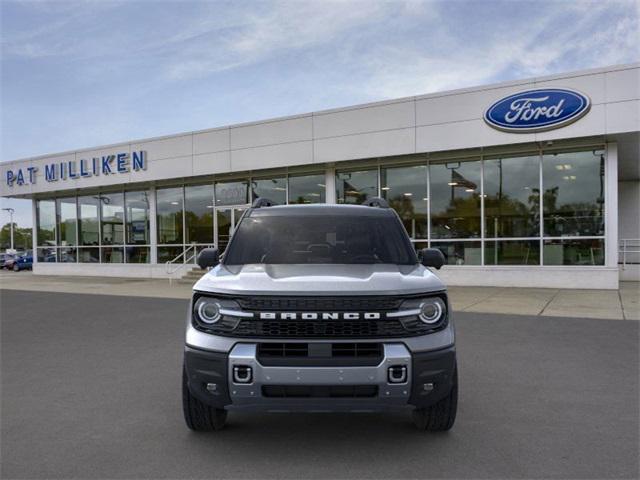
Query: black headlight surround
x: 224, y: 324
x: 415, y: 324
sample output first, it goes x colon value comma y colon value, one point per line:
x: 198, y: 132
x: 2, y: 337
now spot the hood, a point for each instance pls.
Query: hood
x: 260, y: 279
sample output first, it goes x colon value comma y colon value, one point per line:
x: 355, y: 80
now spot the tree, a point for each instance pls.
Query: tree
x: 21, y: 237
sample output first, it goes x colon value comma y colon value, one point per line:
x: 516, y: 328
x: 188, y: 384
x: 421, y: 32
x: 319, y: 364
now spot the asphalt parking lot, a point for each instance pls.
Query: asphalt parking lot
x: 91, y: 389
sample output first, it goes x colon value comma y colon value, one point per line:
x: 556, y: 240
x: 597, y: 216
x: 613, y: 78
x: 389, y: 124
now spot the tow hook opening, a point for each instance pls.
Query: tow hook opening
x: 242, y: 374
x: 397, y: 374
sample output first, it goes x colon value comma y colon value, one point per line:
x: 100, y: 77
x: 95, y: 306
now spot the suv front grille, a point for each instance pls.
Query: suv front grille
x: 320, y: 328
x: 320, y: 304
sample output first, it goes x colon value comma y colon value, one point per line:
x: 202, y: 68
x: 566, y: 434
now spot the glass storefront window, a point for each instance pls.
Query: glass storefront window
x: 137, y: 254
x: 198, y: 213
x: 512, y: 252
x: 573, y: 252
x: 307, y: 188
x: 89, y: 255
x: 166, y: 254
x: 512, y: 197
x: 405, y: 188
x: 455, y: 200
x: 67, y: 254
x: 232, y: 193
x: 137, y: 218
x: 46, y: 218
x: 67, y: 221
x: 112, y: 255
x: 573, y: 198
x: 460, y: 253
x: 47, y: 254
x: 88, y: 226
x: 356, y: 187
x: 169, y: 208
x: 275, y: 189
x: 112, y: 218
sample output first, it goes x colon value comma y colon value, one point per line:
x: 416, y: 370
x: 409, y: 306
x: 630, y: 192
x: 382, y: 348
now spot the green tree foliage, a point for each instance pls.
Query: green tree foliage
x: 21, y: 237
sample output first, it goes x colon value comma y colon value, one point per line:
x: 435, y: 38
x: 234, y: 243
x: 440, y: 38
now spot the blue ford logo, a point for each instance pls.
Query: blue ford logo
x: 537, y: 110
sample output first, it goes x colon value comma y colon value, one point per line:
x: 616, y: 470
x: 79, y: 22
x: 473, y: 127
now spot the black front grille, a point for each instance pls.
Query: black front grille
x: 319, y: 391
x: 356, y: 350
x: 283, y: 350
x: 320, y: 304
x: 320, y: 328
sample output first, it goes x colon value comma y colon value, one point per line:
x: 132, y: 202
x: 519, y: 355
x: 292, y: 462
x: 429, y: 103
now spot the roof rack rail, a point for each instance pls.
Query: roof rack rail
x: 263, y: 202
x: 376, y: 202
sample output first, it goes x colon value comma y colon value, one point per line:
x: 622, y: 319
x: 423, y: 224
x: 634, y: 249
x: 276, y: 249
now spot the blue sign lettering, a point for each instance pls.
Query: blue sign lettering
x: 537, y: 110
x: 75, y: 169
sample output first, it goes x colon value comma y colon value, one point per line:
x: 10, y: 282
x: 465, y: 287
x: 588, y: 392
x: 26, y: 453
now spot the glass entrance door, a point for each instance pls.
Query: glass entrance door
x: 227, y: 219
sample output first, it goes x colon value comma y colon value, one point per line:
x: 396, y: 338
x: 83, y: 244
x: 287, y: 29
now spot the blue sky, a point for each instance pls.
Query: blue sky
x: 80, y: 74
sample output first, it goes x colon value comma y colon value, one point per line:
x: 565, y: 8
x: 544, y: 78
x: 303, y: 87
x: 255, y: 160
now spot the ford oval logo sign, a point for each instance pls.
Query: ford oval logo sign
x: 537, y: 110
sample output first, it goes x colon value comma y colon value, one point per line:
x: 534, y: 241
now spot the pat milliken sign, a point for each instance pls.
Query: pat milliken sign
x: 115, y: 164
x: 537, y: 110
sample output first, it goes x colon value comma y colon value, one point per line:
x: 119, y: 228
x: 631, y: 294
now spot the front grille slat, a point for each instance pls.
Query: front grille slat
x: 319, y: 328
x: 319, y: 304
x: 320, y: 391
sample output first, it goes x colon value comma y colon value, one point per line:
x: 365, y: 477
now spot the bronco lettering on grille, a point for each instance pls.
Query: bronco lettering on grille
x: 320, y: 316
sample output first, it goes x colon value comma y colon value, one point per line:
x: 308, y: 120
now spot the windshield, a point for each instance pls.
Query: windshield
x: 340, y: 239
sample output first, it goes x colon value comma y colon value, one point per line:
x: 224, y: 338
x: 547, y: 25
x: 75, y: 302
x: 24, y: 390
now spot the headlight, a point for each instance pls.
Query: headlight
x: 432, y: 310
x: 207, y: 310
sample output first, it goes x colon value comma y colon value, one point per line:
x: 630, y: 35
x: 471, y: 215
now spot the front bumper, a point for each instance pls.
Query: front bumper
x: 428, y: 379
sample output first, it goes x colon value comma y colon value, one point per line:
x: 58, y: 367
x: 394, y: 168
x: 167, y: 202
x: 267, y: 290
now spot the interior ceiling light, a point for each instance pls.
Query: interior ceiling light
x: 408, y: 194
x: 385, y: 188
x: 452, y: 184
x: 469, y: 190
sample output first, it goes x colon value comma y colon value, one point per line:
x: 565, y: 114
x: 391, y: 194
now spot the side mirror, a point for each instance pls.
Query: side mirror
x: 432, y: 257
x: 208, y: 258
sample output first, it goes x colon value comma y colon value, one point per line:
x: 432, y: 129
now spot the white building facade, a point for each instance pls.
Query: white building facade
x: 531, y: 183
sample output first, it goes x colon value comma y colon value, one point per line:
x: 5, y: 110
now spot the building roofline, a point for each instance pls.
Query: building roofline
x: 445, y: 93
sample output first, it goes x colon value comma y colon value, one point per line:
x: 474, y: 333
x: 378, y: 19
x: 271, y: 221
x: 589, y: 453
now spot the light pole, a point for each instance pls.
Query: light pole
x: 11, y: 212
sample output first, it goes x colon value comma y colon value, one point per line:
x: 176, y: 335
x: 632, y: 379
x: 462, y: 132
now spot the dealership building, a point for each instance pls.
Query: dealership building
x: 529, y: 183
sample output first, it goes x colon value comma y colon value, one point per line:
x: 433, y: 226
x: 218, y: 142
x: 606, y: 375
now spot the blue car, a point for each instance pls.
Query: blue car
x: 23, y: 262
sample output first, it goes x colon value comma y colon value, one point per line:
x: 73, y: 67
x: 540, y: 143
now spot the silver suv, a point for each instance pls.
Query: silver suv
x: 320, y: 308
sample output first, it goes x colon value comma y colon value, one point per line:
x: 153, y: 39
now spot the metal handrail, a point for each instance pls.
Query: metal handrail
x: 186, y: 261
x: 628, y: 245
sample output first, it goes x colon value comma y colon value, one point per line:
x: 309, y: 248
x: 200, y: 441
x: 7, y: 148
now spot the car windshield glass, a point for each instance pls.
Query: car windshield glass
x: 335, y: 239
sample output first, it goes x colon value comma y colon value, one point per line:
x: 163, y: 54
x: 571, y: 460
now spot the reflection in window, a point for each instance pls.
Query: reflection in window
x: 405, y: 188
x: 512, y: 252
x: 232, y: 193
x: 137, y: 254
x: 198, y: 213
x: 272, y: 188
x: 112, y: 255
x: 166, y: 254
x: 512, y: 197
x: 307, y: 188
x: 67, y: 213
x: 47, y: 254
x: 573, y: 252
x: 356, y: 187
x: 460, y: 253
x: 67, y: 254
x: 455, y: 200
x: 112, y: 217
x: 89, y: 255
x: 573, y: 198
x: 46, y: 217
x: 137, y: 218
x: 169, y: 207
x: 88, y: 221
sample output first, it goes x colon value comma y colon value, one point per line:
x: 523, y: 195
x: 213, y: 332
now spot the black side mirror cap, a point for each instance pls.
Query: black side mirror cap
x: 432, y: 257
x: 208, y: 258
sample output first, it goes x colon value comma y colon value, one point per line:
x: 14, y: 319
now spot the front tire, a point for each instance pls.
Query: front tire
x: 440, y: 416
x: 16, y: 268
x: 199, y: 416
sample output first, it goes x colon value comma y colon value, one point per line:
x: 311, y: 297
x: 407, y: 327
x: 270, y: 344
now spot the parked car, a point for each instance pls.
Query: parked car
x: 23, y: 262
x: 7, y: 261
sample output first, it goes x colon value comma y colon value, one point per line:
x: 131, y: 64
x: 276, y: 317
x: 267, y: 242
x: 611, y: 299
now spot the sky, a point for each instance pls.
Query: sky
x: 87, y: 73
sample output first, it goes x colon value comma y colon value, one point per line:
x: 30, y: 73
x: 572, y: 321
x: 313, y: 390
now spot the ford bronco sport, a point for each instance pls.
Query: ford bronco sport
x: 320, y: 308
